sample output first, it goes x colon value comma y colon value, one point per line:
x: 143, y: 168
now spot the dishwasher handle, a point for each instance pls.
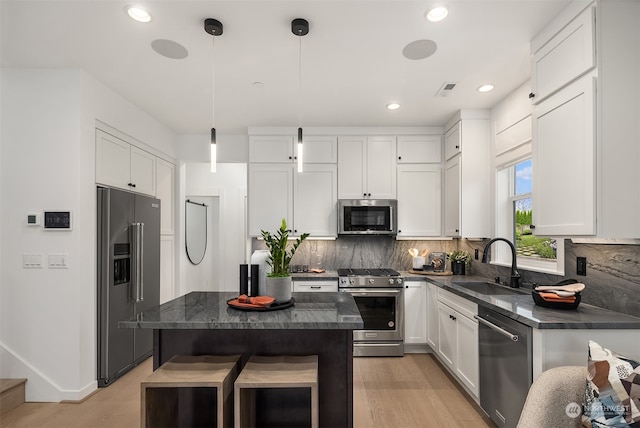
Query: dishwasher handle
x: 500, y: 330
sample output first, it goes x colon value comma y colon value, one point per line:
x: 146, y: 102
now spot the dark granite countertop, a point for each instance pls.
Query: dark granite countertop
x: 209, y: 310
x: 522, y: 308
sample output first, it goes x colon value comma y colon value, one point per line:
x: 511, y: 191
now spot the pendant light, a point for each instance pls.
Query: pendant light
x: 213, y: 27
x: 300, y: 27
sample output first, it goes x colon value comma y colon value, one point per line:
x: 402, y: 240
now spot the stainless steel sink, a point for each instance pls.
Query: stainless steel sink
x: 489, y: 288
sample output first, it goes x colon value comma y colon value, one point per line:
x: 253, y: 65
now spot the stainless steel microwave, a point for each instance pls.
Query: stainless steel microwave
x: 367, y: 217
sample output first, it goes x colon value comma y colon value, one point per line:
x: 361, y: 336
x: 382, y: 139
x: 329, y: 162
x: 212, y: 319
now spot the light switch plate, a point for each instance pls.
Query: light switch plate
x: 32, y: 261
x: 58, y: 261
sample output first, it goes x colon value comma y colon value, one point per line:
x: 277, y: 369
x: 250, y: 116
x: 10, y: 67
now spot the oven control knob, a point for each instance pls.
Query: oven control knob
x: 391, y: 281
x: 399, y: 280
x: 371, y: 280
x: 352, y: 281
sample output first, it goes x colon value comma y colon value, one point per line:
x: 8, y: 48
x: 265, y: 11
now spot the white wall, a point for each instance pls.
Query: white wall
x: 48, y: 316
x: 229, y: 186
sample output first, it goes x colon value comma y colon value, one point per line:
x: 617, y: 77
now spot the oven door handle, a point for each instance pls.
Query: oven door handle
x: 369, y: 291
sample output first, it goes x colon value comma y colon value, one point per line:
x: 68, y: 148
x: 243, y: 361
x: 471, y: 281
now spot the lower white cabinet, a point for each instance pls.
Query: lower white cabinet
x: 415, y: 312
x: 432, y: 316
x: 326, y: 286
x: 457, y: 344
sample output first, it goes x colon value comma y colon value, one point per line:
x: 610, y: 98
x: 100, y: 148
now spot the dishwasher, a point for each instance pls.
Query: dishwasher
x: 505, y: 366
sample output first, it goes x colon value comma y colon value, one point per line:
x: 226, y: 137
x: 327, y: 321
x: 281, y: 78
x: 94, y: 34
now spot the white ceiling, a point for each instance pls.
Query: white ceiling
x: 352, y: 62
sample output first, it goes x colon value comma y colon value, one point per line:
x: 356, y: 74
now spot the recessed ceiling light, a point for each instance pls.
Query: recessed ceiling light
x: 393, y: 106
x: 437, y: 13
x: 485, y: 88
x: 138, y: 14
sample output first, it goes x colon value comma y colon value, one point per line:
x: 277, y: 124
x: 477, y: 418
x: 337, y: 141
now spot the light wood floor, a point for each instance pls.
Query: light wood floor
x: 412, y: 391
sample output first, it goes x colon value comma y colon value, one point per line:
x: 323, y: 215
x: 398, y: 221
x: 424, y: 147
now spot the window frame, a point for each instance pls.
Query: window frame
x: 505, y: 224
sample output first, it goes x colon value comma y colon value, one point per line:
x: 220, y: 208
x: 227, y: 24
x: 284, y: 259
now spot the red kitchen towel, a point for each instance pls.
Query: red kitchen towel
x: 553, y: 297
x: 252, y: 302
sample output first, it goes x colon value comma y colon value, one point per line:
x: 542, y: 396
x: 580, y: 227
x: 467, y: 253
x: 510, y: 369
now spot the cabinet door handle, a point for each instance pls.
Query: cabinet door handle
x: 532, y: 226
x: 531, y: 95
x: 399, y: 157
x: 457, y: 147
x: 131, y: 185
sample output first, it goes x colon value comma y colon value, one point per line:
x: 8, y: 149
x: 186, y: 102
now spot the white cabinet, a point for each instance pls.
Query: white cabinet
x: 467, y: 195
x: 415, y: 312
x: 120, y: 164
x: 452, y: 197
x: 271, y: 149
x: 419, y: 148
x: 307, y: 200
x: 432, y: 316
x: 565, y: 57
x: 585, y: 123
x: 315, y: 286
x: 283, y: 149
x: 270, y: 197
x: 315, y: 196
x: 165, y: 172
x: 452, y: 141
x: 564, y: 164
x: 458, y: 338
x: 367, y: 167
x: 419, y: 200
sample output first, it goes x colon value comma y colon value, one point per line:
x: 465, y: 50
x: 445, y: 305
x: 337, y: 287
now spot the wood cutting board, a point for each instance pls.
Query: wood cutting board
x: 576, y: 287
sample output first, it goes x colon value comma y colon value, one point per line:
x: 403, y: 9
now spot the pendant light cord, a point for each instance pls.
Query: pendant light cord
x: 300, y: 82
x: 213, y: 81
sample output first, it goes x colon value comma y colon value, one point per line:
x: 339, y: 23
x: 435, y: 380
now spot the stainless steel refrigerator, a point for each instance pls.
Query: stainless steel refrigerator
x: 128, y: 278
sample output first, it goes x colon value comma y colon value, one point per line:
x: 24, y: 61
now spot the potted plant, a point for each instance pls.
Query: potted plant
x: 460, y: 259
x: 279, y: 279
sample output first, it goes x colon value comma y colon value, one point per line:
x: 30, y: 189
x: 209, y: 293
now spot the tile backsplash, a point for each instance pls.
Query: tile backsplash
x: 612, y: 280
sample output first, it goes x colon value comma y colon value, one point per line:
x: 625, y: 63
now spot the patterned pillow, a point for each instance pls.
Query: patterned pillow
x: 612, y: 393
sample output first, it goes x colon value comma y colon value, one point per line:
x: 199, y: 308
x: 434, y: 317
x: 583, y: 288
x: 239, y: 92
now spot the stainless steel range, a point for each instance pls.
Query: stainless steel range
x: 379, y: 294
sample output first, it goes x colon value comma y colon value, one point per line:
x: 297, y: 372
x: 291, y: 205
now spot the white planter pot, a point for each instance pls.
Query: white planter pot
x: 279, y: 288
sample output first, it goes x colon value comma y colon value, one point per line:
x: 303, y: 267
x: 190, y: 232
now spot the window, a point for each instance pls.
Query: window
x: 514, y: 219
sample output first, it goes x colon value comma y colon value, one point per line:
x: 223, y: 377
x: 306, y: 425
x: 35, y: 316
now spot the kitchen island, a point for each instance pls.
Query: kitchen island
x: 201, y: 323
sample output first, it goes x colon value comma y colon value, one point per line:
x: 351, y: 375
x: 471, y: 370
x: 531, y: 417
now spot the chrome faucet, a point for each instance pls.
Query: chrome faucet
x: 515, y: 275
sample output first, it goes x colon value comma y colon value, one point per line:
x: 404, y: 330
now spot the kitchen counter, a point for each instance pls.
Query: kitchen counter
x: 522, y: 308
x: 209, y: 310
x: 322, y: 324
x: 311, y: 276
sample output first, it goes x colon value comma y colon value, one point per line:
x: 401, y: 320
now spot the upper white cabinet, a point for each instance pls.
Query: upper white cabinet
x: 367, y: 167
x: 271, y: 148
x: 585, y: 122
x: 565, y: 57
x: 283, y: 149
x: 419, y: 200
x: 120, y: 164
x: 452, y: 142
x: 419, y: 149
x: 467, y: 195
x: 270, y: 197
x: 564, y: 166
x: 307, y: 200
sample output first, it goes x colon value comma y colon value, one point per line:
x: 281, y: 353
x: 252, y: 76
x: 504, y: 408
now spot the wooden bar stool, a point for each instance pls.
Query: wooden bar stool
x: 276, y: 373
x: 204, y: 379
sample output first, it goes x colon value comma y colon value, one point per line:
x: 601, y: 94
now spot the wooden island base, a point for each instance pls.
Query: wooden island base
x: 335, y: 367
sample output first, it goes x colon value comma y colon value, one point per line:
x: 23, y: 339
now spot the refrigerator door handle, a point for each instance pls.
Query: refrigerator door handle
x: 137, y: 251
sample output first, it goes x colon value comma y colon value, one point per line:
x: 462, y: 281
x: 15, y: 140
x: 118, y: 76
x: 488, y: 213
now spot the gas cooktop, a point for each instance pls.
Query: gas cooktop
x: 367, y: 272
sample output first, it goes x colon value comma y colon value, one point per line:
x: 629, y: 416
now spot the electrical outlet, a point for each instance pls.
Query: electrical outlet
x: 581, y: 266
